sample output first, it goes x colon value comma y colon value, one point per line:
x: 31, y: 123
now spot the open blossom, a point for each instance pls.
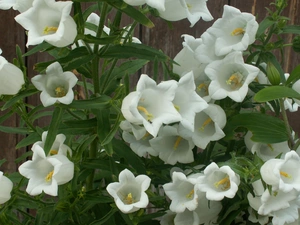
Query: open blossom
x: 50, y: 21
x: 151, y: 104
x: 180, y: 9
x: 159, y: 5
x: 56, y: 85
x: 11, y: 77
x: 235, y: 31
x: 20, y: 5
x: 6, y: 187
x: 129, y: 193
x: 230, y: 77
x: 218, y: 183
x: 282, y: 174
x: 45, y: 173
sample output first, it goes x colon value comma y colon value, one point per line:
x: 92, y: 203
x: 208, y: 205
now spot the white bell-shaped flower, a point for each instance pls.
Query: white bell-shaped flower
x: 282, y: 174
x: 50, y: 21
x: 56, y: 85
x: 230, y: 77
x: 6, y: 187
x: 129, y: 193
x: 218, y: 183
x: 151, y: 104
x: 235, y: 31
x: 45, y: 173
x: 11, y: 78
x: 20, y: 5
x: 159, y: 5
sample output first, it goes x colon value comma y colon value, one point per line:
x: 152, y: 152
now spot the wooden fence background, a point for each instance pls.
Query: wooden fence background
x: 161, y: 37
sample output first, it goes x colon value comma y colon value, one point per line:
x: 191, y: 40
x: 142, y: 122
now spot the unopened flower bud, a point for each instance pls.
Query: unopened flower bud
x: 273, y: 74
x: 296, y: 44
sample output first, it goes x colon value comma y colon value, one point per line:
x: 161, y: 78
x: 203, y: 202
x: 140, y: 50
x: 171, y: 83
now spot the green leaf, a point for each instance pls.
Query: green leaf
x: 30, y: 139
x: 14, y: 130
x: 102, y: 102
x: 265, y: 128
x: 294, y: 76
x: 53, y: 128
x: 133, y: 50
x: 291, y: 29
x: 106, y: 217
x: 39, y: 48
x: 275, y: 92
x: 100, y: 41
x: 265, y: 24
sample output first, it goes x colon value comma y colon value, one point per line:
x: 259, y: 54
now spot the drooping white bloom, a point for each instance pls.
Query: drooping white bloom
x: 266, y: 151
x: 45, y: 173
x: 182, y: 192
x: 151, y: 104
x: 282, y: 174
x: 20, y: 5
x: 129, y: 193
x: 208, y: 126
x: 180, y: 9
x: 171, y: 147
x: 187, y: 101
x: 11, y: 78
x: 56, y: 85
x: 230, y: 77
x: 235, y: 31
x: 159, y: 5
x: 6, y: 187
x: 50, y: 21
x: 218, y: 183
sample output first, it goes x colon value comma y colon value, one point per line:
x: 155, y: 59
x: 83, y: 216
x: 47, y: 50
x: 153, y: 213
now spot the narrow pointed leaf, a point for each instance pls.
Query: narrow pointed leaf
x: 275, y: 92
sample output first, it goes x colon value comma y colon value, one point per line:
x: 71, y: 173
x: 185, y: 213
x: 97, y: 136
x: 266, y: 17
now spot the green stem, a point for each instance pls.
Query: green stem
x: 286, y: 123
x: 106, y: 78
x: 73, y: 114
x: 24, y: 115
x: 92, y: 155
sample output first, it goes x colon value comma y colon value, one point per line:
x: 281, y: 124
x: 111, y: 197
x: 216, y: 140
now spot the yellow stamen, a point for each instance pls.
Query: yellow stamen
x: 190, y: 195
x: 177, y: 107
x: 177, y: 142
x: 60, y: 92
x: 238, y: 31
x: 225, y: 183
x: 235, y: 80
x: 145, y: 136
x: 189, y: 6
x: 50, y: 29
x: 48, y: 178
x: 206, y: 122
x: 53, y: 152
x: 285, y: 174
x: 271, y: 147
x: 147, y: 114
x: 128, y: 199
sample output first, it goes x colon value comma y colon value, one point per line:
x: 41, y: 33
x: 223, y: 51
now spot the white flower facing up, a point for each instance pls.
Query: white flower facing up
x: 45, y: 173
x: 230, y: 77
x: 151, y: 104
x: 11, y: 77
x: 56, y: 85
x: 20, y: 5
x: 182, y: 192
x: 187, y: 101
x: 129, y: 193
x: 50, y: 21
x: 218, y: 183
x: 159, y: 5
x: 235, y: 31
x: 6, y: 187
x: 208, y: 126
x: 282, y: 174
x: 171, y: 147
x: 193, y: 10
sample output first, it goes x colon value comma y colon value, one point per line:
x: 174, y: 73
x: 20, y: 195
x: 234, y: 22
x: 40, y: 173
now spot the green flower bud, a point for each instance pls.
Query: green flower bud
x: 273, y: 74
x: 296, y: 44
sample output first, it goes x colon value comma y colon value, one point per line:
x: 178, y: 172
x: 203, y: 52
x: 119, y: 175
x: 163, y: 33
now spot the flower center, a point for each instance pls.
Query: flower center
x: 206, y: 122
x: 224, y: 183
x: 190, y: 195
x: 48, y: 178
x: 285, y: 174
x: 189, y: 6
x: 50, y: 29
x: 148, y: 115
x: 235, y: 80
x: 53, y: 152
x: 146, y: 136
x: 237, y: 31
x: 177, y: 142
x: 203, y: 87
x: 177, y: 107
x: 60, y: 92
x: 128, y: 199
x: 271, y: 147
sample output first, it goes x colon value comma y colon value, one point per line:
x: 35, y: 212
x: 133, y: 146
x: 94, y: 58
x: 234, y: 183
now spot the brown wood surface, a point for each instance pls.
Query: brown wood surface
x: 161, y: 36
